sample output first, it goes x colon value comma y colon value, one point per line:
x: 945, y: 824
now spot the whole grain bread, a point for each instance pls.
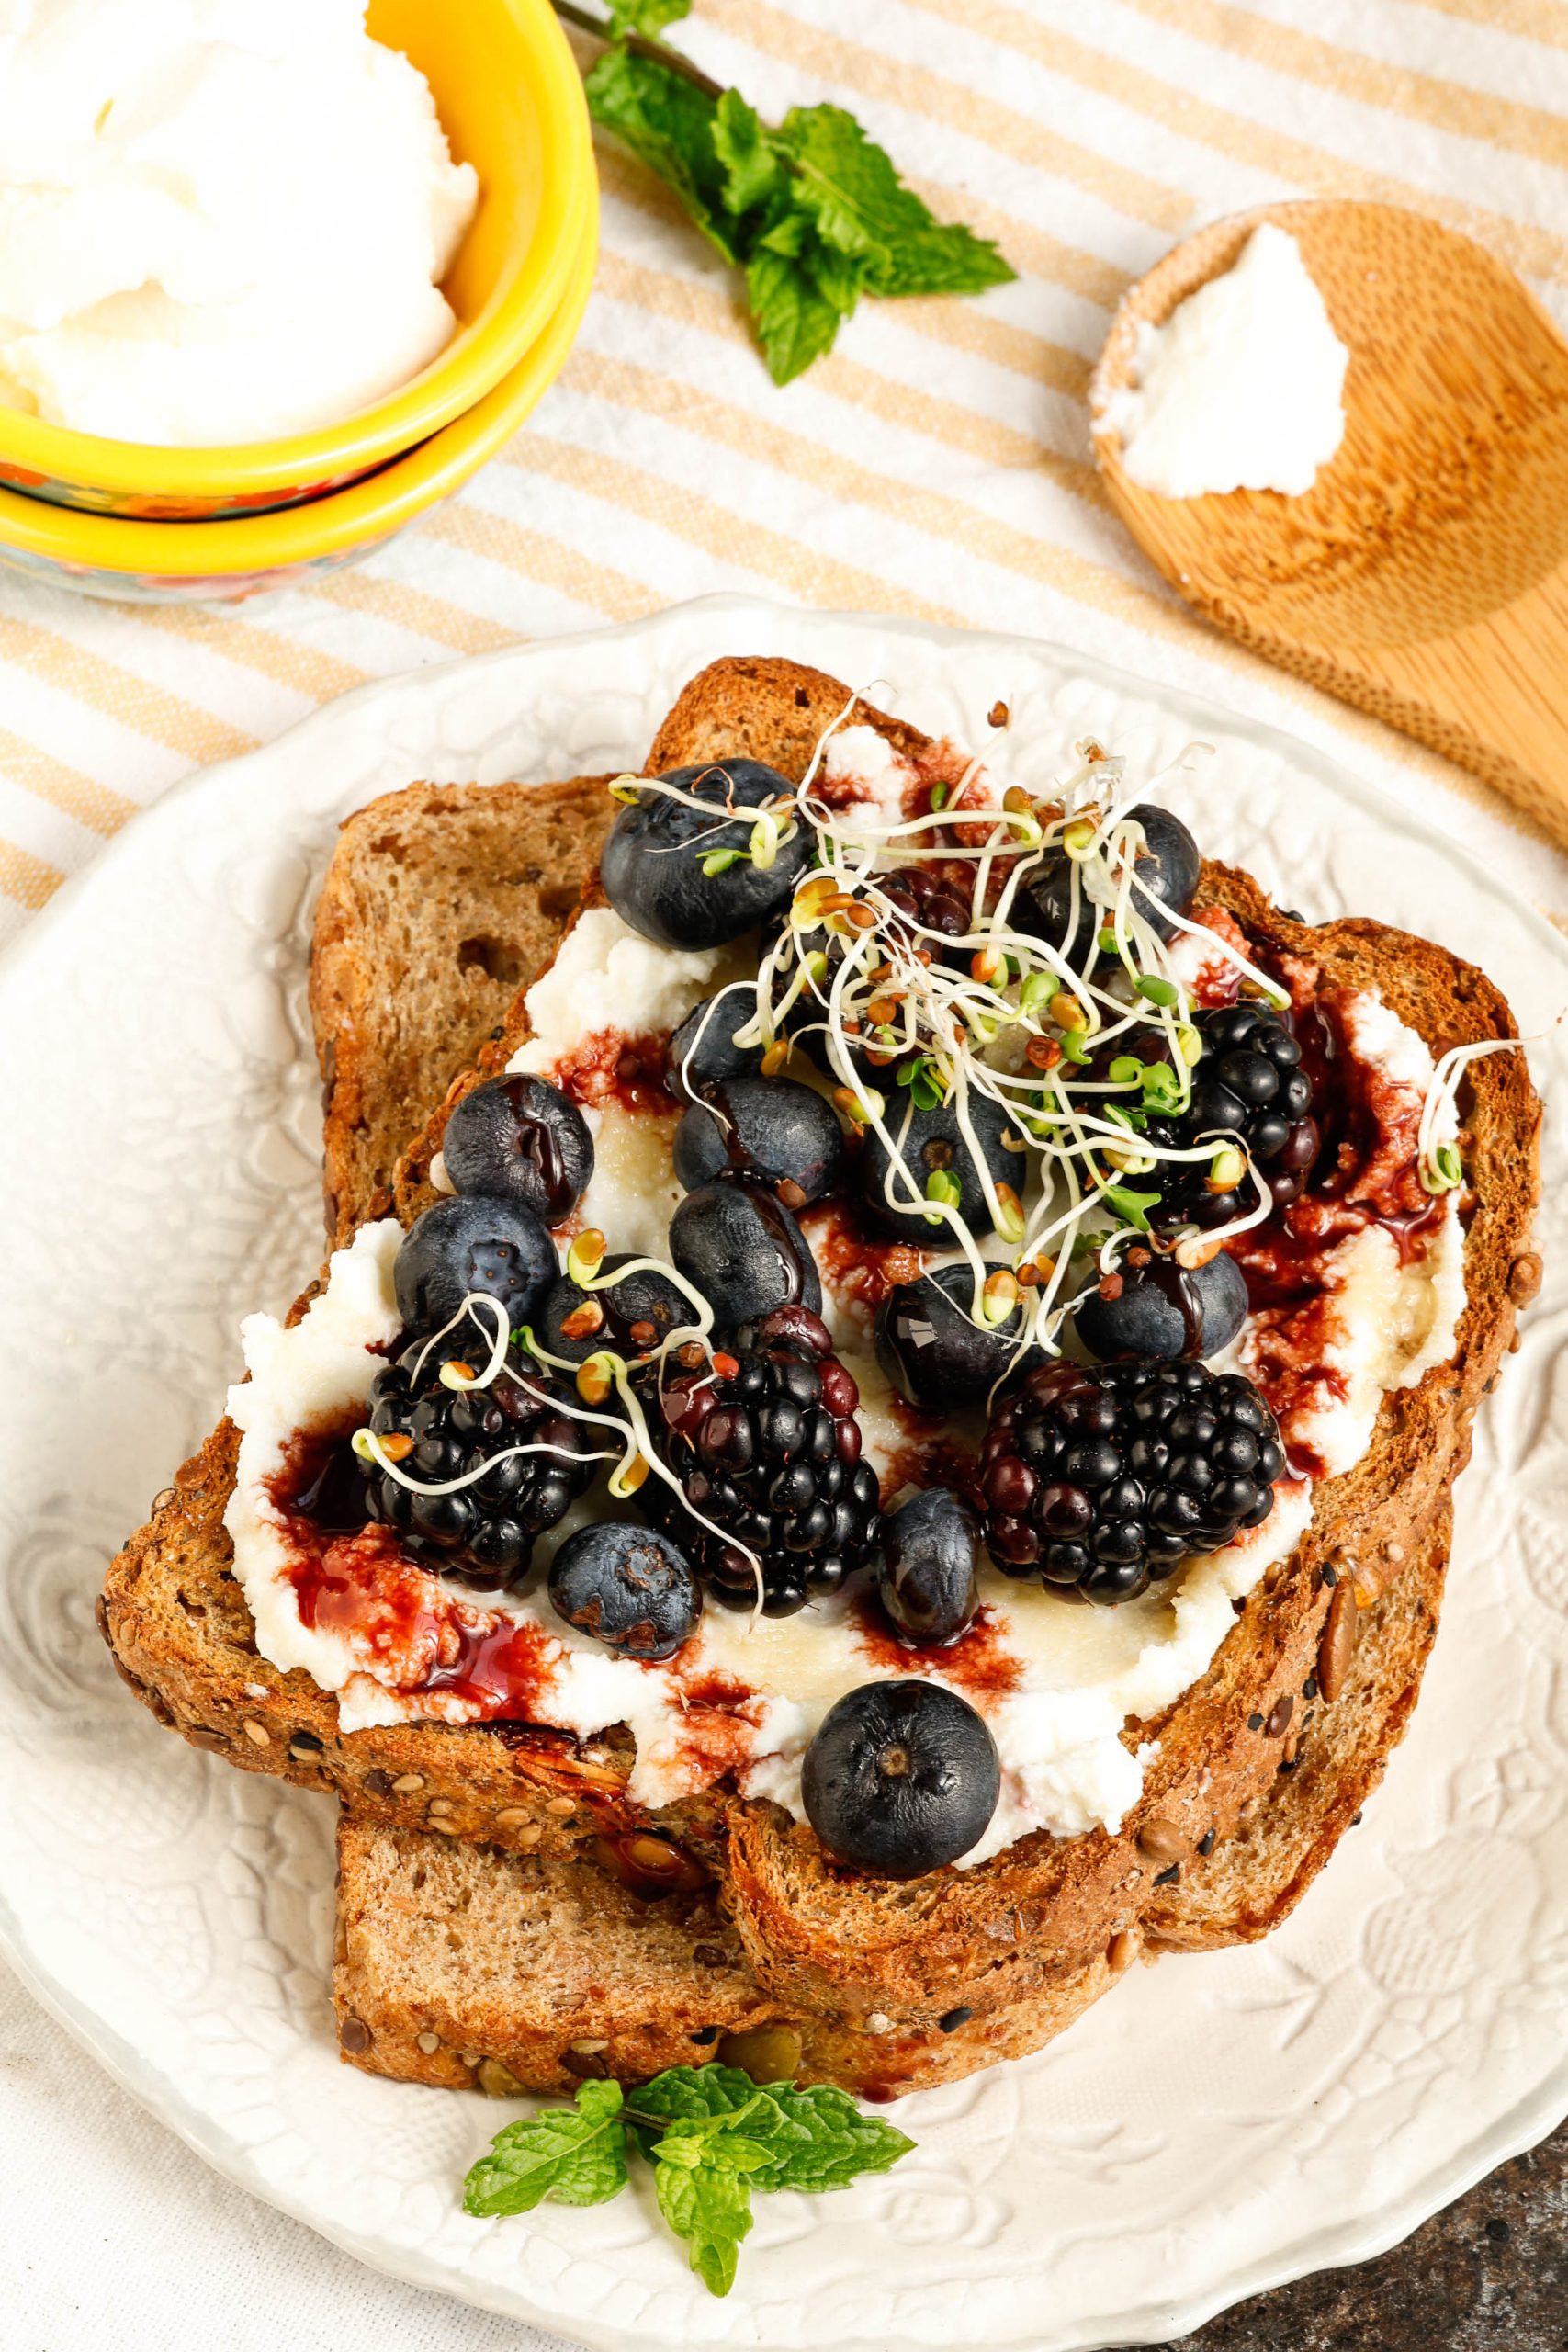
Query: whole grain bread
x: 441, y: 902
x: 1025, y: 1926
x: 462, y: 1966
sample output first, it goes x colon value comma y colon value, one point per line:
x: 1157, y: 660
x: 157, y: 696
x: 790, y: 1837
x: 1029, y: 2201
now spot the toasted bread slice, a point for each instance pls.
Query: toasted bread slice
x: 460, y: 1965
x: 1025, y: 1926
x: 440, y: 903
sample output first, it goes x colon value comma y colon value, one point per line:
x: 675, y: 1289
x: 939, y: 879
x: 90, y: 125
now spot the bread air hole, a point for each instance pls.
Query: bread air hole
x: 497, y: 959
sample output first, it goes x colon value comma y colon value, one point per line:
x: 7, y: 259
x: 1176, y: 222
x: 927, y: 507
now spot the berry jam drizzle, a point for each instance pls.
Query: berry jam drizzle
x: 1365, y: 1175
x: 351, y: 1577
x: 611, y: 1067
x: 978, y: 1662
x: 858, y: 1267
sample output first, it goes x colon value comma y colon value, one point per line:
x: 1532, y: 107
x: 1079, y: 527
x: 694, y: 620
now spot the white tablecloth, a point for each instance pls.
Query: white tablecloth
x: 114, y: 2236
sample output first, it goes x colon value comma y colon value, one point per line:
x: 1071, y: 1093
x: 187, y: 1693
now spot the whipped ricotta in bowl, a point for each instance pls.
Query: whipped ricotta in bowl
x: 221, y: 220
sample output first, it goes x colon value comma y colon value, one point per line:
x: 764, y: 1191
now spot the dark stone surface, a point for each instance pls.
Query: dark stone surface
x: 1489, y: 2274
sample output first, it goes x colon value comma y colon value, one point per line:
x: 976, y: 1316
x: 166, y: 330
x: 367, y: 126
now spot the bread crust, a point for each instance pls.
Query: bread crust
x: 427, y: 1949
x: 1040, y: 1917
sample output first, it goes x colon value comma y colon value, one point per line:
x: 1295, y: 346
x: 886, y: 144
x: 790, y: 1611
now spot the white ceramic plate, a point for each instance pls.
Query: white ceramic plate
x: 1217, y: 2126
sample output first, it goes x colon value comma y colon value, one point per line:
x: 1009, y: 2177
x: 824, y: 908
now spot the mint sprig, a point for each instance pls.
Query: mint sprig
x: 573, y: 2155
x: 811, y: 209
x: 712, y: 2135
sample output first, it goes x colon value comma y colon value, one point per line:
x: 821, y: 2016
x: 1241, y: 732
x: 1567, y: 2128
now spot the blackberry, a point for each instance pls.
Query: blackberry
x: 922, y: 895
x: 931, y: 897
x: 1248, y: 1084
x: 483, y: 1534
x: 926, y: 896
x: 1103, y: 1479
x: 766, y: 1445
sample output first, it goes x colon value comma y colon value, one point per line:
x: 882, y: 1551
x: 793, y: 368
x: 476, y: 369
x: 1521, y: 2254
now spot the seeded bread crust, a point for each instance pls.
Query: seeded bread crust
x: 440, y: 903
x: 462, y: 1967
x: 1026, y: 1926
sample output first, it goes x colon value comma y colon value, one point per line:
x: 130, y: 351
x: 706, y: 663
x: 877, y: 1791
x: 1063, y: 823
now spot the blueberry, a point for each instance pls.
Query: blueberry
x: 632, y: 1316
x: 1169, y: 868
x: 901, y: 1778
x: 652, y: 865
x: 743, y: 1250
x: 495, y: 1247
x: 627, y: 1587
x: 520, y: 1138
x: 931, y: 1144
x: 930, y: 1547
x: 702, y: 1052
x: 768, y: 1127
x: 1164, y: 1312
x: 933, y: 1354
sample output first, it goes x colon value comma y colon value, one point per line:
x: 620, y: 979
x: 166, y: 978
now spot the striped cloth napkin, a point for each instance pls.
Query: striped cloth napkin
x: 937, y: 463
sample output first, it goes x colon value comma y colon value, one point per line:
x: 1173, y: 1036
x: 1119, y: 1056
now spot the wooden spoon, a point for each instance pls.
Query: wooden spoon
x: 1425, y: 574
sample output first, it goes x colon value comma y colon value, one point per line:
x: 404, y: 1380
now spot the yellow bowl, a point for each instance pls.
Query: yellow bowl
x: 165, y: 563
x: 511, y: 101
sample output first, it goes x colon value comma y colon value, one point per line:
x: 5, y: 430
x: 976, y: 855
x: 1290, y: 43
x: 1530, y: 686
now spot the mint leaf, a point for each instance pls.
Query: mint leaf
x: 716, y: 2141
x: 815, y: 212
x: 787, y: 233
x: 813, y: 2140
x: 851, y: 189
x: 826, y: 2142
x: 709, y: 2205
x: 576, y: 2155
x: 669, y: 125
x: 751, y: 167
x: 687, y: 2094
x: 646, y: 17
x: 795, y: 320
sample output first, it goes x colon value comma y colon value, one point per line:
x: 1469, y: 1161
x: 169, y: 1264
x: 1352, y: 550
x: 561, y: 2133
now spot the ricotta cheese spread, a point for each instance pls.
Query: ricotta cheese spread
x: 608, y: 983
x: 1242, y: 388
x: 220, y: 219
x: 1058, y: 1683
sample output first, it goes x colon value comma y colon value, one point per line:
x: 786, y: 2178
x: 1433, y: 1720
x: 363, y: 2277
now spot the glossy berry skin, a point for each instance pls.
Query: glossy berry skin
x: 771, y: 1128
x: 924, y: 899
x: 629, y: 1586
x: 482, y: 1534
x: 1101, y: 1481
x: 1162, y: 1311
x: 931, y: 1549
x: 901, y: 1778
x: 934, y: 1353
x: 520, y: 1138
x: 929, y: 1141
x: 496, y: 1247
x: 741, y: 1246
x: 651, y: 866
x: 704, y: 1053
x: 1248, y: 1085
x: 765, y: 1445
x: 1171, y: 870
x: 632, y: 1317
